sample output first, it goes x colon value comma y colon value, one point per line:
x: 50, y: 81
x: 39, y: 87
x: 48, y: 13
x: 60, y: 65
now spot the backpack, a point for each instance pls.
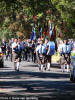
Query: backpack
x: 51, y: 46
x: 16, y: 50
x: 21, y: 45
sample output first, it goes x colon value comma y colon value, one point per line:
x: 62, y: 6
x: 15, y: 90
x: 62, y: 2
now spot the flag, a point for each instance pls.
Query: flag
x: 42, y: 37
x: 47, y: 36
x: 54, y: 34
x: 45, y: 30
x: 40, y: 32
x: 33, y: 35
x: 50, y: 30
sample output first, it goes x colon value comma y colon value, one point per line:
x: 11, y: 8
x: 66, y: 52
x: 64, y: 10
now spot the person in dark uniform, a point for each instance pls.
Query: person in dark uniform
x: 3, y: 44
x: 10, y: 44
x: 33, y: 52
x: 7, y: 51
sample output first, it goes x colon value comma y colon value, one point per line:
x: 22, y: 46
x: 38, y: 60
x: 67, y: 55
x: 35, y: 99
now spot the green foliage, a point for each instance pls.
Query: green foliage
x: 67, y: 11
x: 59, y: 11
x: 5, y: 33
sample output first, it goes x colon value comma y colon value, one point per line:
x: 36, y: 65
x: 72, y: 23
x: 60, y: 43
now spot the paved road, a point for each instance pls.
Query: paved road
x: 30, y: 82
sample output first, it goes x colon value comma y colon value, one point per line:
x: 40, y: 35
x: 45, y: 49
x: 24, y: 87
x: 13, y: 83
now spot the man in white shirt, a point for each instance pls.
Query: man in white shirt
x: 16, y: 58
x: 41, y: 51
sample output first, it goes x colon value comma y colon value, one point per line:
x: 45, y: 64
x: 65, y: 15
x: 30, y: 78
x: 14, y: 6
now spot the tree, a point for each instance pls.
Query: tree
x: 66, y: 10
x: 23, y: 13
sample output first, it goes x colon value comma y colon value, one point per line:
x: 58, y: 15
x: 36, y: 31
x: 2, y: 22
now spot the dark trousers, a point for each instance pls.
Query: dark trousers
x: 33, y: 57
x: 7, y: 55
x: 48, y: 57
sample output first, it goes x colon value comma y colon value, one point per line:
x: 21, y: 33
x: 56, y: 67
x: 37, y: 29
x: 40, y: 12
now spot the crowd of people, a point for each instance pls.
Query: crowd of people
x: 39, y: 51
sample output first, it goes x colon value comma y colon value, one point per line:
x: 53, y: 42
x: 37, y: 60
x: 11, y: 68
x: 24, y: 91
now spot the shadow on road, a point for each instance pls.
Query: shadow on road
x: 54, y: 65
x: 46, y: 85
x: 44, y: 75
x: 52, y: 89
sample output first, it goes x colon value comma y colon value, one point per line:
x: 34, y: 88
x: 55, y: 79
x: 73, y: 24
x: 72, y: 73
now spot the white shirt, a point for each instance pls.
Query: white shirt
x: 13, y: 45
x: 60, y: 47
x: 41, y: 49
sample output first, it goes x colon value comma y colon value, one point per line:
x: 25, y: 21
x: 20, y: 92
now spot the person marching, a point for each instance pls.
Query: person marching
x: 41, y: 52
x: 11, y: 42
x: 3, y: 44
x: 61, y: 55
x: 45, y: 44
x: 16, y: 51
x: 7, y: 51
x: 66, y: 51
x: 33, y: 51
x: 50, y: 52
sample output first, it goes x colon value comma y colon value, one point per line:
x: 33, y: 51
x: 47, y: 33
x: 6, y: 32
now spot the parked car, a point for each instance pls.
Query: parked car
x: 1, y: 58
x: 72, y: 69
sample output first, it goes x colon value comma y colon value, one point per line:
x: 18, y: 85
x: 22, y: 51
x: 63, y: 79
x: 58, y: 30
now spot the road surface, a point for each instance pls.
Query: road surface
x: 32, y: 84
